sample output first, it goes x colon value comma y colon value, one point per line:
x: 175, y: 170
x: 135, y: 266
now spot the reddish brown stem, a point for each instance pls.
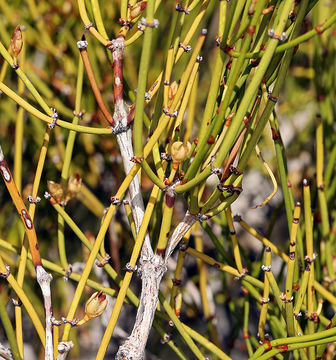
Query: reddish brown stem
x: 94, y: 85
x: 21, y: 208
x: 42, y: 277
x: 236, y: 146
x: 117, y: 47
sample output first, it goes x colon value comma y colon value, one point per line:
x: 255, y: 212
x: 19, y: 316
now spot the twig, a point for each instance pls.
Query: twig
x: 124, y: 138
x: 63, y: 349
x: 43, y: 278
x: 152, y: 272
x: 180, y: 230
x: 82, y: 46
x: 5, y: 353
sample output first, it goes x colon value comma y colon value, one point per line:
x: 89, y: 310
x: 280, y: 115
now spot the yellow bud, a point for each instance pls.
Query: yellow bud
x: 67, y: 7
x: 16, y: 41
x: 74, y: 186
x: 137, y: 9
x: 180, y: 151
x: 61, y: 195
x: 56, y: 191
x: 172, y: 91
x: 178, y: 304
x: 96, y: 305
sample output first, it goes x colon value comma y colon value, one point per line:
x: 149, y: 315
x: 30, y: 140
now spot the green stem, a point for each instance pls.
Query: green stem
x: 310, y: 261
x: 67, y: 161
x: 325, y: 225
x: 290, y: 272
x: 245, y: 331
x: 9, y: 329
x: 142, y: 80
x: 291, y: 44
x: 98, y: 17
x: 188, y: 334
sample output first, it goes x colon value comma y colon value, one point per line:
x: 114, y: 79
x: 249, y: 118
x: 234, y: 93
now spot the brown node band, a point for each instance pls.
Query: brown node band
x: 318, y: 29
x: 125, y: 22
x: 179, y: 8
x: 177, y: 282
x: 88, y: 26
x: 101, y: 264
x: 137, y: 159
x: 272, y: 98
x: 251, y: 30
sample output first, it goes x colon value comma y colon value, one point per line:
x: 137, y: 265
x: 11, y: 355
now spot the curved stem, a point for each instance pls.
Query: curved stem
x: 292, y: 43
x: 88, y: 23
x: 49, y: 119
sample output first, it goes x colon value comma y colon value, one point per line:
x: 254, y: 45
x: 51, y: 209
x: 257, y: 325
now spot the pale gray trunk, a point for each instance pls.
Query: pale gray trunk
x: 134, y: 347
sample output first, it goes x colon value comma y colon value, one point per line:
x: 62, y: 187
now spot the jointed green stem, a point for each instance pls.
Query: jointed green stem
x: 6, y: 323
x: 143, y: 71
x: 67, y: 161
x: 290, y: 272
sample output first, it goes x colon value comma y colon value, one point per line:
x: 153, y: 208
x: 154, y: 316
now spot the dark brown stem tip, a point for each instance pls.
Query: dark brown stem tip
x: 161, y: 252
x: 83, y: 37
x: 170, y: 200
x: 305, y: 182
x: 237, y: 218
x: 268, y: 249
x: 183, y: 246
x: 298, y: 204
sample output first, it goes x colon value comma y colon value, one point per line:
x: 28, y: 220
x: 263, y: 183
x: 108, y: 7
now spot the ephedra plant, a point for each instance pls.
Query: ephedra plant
x: 155, y: 113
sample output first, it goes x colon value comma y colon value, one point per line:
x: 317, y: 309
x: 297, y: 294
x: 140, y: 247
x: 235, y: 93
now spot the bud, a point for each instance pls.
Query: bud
x: 67, y: 7
x: 180, y: 151
x: 96, y: 305
x: 56, y: 191
x: 16, y: 41
x: 137, y: 9
x: 74, y: 186
x: 172, y: 91
x: 178, y: 304
x: 62, y: 195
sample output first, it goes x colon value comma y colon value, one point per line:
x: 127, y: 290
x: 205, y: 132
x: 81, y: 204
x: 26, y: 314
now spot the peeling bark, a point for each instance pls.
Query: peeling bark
x: 44, y: 279
x: 5, y: 353
x: 124, y: 137
x: 152, y: 272
x: 63, y: 349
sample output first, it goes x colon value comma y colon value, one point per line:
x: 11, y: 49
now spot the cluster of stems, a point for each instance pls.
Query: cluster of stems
x: 208, y: 78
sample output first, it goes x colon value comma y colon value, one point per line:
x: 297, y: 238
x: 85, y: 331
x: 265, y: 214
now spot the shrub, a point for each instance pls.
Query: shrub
x: 168, y: 159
